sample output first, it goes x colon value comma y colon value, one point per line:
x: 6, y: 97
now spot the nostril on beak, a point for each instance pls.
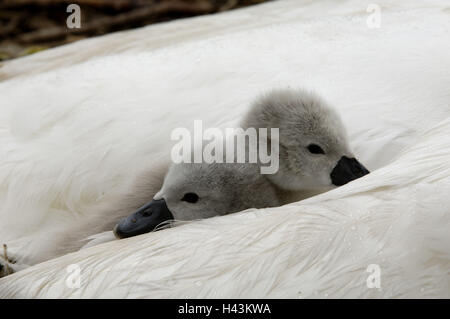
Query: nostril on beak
x: 147, y: 212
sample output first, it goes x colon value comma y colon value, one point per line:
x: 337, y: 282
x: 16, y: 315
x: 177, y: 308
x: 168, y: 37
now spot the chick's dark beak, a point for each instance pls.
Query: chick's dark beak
x: 144, y: 220
x: 346, y: 170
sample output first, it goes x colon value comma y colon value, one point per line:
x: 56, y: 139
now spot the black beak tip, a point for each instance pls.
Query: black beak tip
x: 144, y: 220
x: 347, y: 170
x: 117, y: 232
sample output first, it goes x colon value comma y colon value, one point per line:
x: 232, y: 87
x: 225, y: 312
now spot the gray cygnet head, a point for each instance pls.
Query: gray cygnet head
x: 313, y: 143
x: 199, y: 190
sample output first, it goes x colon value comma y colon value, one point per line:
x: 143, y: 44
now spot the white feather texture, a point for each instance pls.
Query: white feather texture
x: 74, y: 136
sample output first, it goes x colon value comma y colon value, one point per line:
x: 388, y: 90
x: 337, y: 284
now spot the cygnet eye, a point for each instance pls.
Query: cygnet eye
x: 190, y: 198
x: 315, y: 149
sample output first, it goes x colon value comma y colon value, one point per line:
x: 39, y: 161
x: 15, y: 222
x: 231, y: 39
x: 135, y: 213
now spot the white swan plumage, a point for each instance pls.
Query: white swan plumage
x: 64, y: 153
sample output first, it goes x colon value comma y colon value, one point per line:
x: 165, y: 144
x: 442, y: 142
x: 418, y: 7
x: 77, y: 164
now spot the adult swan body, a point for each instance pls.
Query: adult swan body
x: 71, y: 116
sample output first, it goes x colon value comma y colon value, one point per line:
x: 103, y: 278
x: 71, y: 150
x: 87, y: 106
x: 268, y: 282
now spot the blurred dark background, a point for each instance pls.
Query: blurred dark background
x: 29, y: 26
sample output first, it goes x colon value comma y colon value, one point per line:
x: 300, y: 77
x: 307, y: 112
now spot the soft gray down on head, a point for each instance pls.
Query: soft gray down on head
x: 193, y: 191
x: 312, y: 137
x: 314, y: 153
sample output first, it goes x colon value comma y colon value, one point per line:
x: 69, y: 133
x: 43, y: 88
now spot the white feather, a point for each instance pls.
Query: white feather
x: 73, y: 136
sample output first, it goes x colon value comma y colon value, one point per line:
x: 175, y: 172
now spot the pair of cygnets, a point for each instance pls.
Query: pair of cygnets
x: 313, y: 154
